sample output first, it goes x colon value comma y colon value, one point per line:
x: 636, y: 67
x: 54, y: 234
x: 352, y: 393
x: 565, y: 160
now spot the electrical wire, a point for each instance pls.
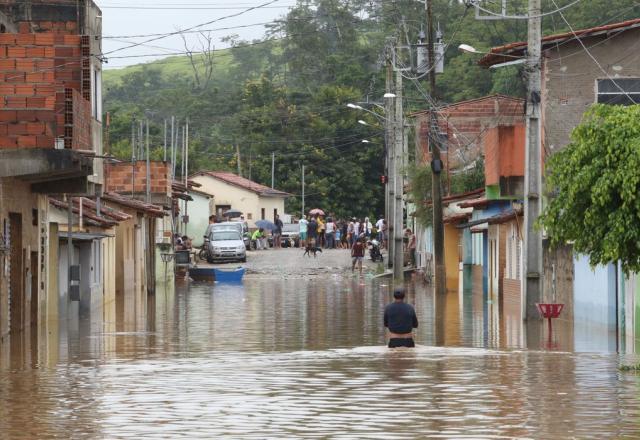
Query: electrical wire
x: 169, y: 34
x: 603, y: 70
x: 476, y: 3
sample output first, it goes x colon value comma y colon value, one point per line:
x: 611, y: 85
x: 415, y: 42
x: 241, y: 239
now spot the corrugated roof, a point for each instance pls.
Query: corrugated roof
x: 234, y: 179
x: 89, y: 214
x: 148, y: 208
x: 515, y: 49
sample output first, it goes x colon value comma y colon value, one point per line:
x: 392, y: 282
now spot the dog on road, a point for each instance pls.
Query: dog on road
x: 312, y: 249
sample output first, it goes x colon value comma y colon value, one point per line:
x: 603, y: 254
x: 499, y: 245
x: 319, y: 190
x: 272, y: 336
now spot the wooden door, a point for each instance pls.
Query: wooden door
x: 16, y: 287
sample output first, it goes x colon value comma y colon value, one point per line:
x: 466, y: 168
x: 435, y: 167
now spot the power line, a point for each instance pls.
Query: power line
x: 244, y: 11
x: 524, y: 17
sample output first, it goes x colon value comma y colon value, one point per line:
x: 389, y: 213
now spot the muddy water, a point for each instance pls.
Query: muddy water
x: 305, y: 358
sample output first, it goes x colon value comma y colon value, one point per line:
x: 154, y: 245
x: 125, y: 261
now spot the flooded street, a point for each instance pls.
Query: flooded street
x: 281, y: 357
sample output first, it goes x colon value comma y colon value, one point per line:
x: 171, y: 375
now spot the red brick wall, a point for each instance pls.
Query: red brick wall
x: 466, y: 124
x: 118, y: 177
x: 503, y: 152
x: 35, y: 70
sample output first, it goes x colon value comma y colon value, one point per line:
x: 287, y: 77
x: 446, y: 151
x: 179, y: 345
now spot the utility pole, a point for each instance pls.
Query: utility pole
x: 148, y: 179
x: 133, y: 157
x: 173, y: 151
x: 186, y: 174
x: 302, y: 190
x: 389, y: 141
x: 436, y: 166
x: 273, y: 169
x: 398, y: 180
x: 238, y: 158
x: 165, y: 140
x: 533, y: 179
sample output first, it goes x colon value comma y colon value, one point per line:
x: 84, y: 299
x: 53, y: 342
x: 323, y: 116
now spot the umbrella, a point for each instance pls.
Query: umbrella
x: 232, y: 213
x: 266, y: 224
x: 316, y: 211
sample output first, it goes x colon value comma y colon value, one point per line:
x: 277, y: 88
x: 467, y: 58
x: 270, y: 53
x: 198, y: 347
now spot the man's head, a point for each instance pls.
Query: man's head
x: 408, y: 231
x: 277, y: 216
x: 398, y: 294
x: 261, y: 230
x: 304, y: 217
x: 212, y: 219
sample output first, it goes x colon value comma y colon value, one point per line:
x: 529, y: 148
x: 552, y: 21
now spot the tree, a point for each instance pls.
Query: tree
x: 595, y: 184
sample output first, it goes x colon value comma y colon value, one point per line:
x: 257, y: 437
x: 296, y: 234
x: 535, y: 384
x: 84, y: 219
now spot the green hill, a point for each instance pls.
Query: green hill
x: 168, y: 68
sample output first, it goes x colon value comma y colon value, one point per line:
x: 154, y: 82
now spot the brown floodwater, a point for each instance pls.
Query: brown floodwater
x: 305, y: 358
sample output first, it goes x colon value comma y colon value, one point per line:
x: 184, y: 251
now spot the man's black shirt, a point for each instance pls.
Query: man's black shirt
x: 400, y: 317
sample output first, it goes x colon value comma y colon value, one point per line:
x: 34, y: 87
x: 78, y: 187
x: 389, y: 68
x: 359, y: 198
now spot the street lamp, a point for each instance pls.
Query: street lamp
x: 389, y: 95
x: 361, y: 122
x: 364, y: 141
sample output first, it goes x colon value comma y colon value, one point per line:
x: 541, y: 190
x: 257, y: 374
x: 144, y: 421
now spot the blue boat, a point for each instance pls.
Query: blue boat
x: 229, y: 275
x: 200, y: 273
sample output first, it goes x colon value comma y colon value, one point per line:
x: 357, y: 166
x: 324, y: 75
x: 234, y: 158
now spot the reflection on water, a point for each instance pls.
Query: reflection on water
x: 305, y: 358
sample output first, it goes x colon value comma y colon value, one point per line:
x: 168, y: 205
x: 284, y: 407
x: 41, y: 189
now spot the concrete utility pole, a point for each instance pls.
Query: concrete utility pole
x: 389, y: 142
x: 165, y: 140
x: 302, y: 190
x: 533, y: 178
x: 436, y: 167
x: 238, y: 158
x: 133, y: 157
x: 273, y: 169
x: 398, y: 148
x: 148, y: 176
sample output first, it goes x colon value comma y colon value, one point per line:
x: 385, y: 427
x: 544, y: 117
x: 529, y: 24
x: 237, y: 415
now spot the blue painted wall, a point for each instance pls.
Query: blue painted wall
x: 594, y: 306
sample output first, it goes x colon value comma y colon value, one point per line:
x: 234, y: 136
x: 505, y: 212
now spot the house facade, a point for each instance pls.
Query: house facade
x: 600, y: 297
x: 50, y: 139
x: 255, y: 201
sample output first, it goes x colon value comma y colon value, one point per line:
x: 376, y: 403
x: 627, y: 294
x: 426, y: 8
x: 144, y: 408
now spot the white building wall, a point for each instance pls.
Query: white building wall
x: 250, y: 203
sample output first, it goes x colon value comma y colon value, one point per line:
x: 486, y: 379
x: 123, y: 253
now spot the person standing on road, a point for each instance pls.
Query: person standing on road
x: 351, y: 232
x: 330, y: 233
x: 411, y: 246
x: 303, y: 223
x: 277, y: 232
x: 344, y: 236
x: 357, y: 255
x: 400, y: 318
x: 385, y: 235
x: 321, y: 232
x: 312, y: 232
x: 379, y: 225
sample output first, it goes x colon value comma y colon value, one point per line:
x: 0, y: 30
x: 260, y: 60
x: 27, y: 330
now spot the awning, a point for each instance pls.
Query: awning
x: 83, y: 236
x: 501, y: 217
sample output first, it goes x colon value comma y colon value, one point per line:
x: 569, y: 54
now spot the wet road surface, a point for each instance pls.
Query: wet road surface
x: 304, y: 357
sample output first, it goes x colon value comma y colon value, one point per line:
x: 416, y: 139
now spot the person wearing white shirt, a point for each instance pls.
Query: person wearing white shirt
x: 303, y: 223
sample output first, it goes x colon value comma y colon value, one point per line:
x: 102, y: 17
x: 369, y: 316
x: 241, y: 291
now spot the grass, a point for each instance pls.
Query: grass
x: 169, y: 67
x: 633, y: 368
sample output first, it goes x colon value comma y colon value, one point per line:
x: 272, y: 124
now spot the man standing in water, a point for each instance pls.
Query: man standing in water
x: 400, y: 318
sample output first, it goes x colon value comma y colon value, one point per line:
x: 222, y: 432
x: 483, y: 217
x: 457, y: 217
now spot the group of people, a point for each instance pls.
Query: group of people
x: 340, y: 234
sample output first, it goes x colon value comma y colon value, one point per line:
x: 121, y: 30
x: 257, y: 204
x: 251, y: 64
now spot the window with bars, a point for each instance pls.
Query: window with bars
x: 619, y: 91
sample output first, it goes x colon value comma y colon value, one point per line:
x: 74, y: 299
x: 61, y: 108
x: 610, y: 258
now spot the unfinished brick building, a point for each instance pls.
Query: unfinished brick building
x: 50, y: 142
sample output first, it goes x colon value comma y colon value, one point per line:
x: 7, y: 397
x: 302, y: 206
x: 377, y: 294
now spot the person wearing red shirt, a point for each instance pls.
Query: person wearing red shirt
x: 357, y: 255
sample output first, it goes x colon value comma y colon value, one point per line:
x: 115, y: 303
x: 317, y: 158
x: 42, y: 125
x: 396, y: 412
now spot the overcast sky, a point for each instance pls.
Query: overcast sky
x: 123, y: 18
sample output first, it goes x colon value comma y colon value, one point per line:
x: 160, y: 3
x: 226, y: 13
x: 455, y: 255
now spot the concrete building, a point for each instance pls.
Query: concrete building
x: 135, y: 258
x: 572, y: 81
x: 50, y: 138
x: 256, y: 201
x: 129, y: 180
x: 463, y: 126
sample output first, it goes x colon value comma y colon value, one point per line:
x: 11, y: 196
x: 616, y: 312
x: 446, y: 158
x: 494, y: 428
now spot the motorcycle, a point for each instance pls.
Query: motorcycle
x: 374, y: 250
x: 204, y: 251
